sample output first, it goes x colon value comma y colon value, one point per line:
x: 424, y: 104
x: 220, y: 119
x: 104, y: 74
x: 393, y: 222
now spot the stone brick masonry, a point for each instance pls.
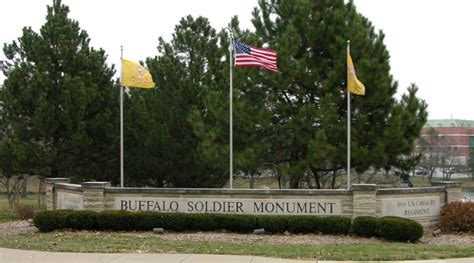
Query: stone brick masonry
x: 420, y: 204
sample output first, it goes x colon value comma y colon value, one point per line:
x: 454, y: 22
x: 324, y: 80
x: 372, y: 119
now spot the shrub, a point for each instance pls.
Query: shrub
x: 390, y: 228
x: 303, y: 224
x: 146, y: 221
x: 274, y: 224
x: 180, y: 221
x: 25, y: 211
x: 399, y: 229
x: 237, y: 223
x: 47, y: 221
x: 115, y: 221
x: 365, y: 226
x: 338, y: 225
x: 325, y: 225
x: 457, y: 216
x: 81, y: 220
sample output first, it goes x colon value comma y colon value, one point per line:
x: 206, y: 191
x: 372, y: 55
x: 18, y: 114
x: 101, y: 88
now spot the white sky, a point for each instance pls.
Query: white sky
x: 429, y: 41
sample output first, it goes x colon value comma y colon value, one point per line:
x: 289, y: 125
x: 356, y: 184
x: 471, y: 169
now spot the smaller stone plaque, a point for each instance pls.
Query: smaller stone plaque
x: 70, y: 201
x: 411, y: 207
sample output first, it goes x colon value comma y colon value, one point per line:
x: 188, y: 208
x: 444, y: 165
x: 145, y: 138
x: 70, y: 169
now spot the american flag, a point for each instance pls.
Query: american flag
x: 247, y: 56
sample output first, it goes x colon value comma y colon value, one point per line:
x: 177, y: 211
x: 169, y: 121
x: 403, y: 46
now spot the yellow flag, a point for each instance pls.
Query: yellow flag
x: 353, y: 84
x: 135, y: 75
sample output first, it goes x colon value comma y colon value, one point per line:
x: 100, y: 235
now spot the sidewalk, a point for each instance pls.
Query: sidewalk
x: 24, y: 256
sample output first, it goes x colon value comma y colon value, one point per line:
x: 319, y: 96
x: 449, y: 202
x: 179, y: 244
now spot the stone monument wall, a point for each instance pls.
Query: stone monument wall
x: 420, y: 204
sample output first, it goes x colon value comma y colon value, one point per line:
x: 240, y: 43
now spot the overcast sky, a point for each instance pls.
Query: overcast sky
x: 430, y: 41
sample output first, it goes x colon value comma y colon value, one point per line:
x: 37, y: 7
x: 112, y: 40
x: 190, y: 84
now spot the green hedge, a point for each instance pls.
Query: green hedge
x: 399, y: 229
x: 47, y: 221
x: 145, y: 221
x: 389, y: 227
x: 365, y: 226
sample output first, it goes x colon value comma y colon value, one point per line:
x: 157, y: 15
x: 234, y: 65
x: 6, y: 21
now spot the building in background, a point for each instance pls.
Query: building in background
x: 446, y: 144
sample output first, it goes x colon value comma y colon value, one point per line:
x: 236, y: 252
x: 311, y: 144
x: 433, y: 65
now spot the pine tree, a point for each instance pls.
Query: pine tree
x: 165, y: 138
x: 60, y: 100
x: 308, y: 97
x: 251, y: 115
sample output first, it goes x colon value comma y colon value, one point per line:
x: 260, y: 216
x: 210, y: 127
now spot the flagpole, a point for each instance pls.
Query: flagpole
x: 231, y: 142
x: 121, y: 117
x: 348, y: 127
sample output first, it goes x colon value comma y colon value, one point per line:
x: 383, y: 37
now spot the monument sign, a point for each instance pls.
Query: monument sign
x: 411, y: 207
x: 232, y: 206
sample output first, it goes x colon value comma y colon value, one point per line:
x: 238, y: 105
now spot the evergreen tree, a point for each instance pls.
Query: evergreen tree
x: 163, y: 147
x: 59, y: 101
x: 308, y: 96
x: 251, y: 115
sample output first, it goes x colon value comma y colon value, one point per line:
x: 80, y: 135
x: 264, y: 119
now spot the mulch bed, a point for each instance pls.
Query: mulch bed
x: 24, y: 227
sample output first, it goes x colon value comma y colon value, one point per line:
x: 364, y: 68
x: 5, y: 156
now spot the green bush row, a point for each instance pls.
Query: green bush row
x: 145, y: 221
x: 389, y: 227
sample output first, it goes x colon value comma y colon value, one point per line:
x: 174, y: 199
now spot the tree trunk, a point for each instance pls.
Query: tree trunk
x: 430, y: 175
x: 11, y: 200
x: 14, y: 187
x: 295, y: 182
x: 277, y: 174
x: 54, y: 171
x: 333, y: 182
x: 40, y: 191
x: 308, y: 181
x: 316, y: 177
x: 24, y: 188
x: 251, y: 180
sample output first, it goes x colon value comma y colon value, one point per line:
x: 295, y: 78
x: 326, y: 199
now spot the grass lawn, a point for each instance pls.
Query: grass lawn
x: 117, y: 242
x: 107, y: 242
x: 7, y: 214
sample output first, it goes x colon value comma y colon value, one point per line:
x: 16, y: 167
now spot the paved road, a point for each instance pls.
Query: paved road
x: 24, y: 256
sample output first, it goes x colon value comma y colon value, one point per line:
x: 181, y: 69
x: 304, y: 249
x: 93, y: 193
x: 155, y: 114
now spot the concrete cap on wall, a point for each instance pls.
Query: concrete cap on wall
x: 364, y: 187
x: 447, y: 183
x: 57, y: 180
x: 95, y: 184
x: 218, y: 191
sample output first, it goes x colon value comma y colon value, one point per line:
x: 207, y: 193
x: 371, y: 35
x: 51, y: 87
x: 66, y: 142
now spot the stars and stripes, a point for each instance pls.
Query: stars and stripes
x: 248, y: 56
